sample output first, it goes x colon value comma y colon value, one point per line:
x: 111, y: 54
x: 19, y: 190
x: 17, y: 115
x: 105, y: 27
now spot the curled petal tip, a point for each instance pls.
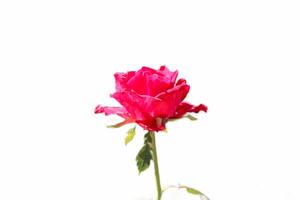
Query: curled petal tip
x: 202, y: 107
x: 181, y: 81
x: 99, y: 109
x: 163, y: 67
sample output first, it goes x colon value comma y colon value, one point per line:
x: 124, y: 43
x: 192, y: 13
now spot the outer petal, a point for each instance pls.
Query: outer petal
x: 138, y: 82
x: 171, y: 76
x: 157, y: 84
x: 133, y: 103
x: 173, y: 97
x: 185, y: 107
x: 180, y: 81
x: 122, y: 79
x: 112, y: 110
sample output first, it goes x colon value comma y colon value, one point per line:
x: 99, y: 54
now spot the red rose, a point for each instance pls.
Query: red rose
x: 150, y: 97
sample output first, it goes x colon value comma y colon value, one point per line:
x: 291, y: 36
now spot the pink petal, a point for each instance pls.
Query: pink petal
x: 185, y: 107
x: 173, y: 97
x: 151, y: 82
x: 138, y: 83
x: 157, y: 84
x: 122, y: 79
x: 148, y: 70
x: 112, y: 110
x: 132, y: 102
x: 172, y: 76
x: 181, y: 81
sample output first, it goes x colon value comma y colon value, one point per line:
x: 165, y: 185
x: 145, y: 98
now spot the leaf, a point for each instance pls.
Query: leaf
x: 191, y: 117
x: 194, y: 191
x: 144, y: 156
x: 188, y: 189
x: 130, y: 135
x: 147, y: 139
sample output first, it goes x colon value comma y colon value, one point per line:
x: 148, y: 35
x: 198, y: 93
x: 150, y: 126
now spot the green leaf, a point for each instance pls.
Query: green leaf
x: 191, y: 117
x: 130, y: 135
x: 144, y: 156
x: 188, y: 189
x: 147, y: 139
x: 195, y: 192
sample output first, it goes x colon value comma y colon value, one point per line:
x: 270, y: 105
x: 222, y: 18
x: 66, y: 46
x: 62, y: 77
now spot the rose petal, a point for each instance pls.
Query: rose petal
x: 133, y: 103
x: 172, y: 76
x: 173, y: 97
x: 122, y: 79
x: 112, y: 110
x: 157, y: 84
x: 185, y: 107
x: 181, y: 81
x: 138, y: 82
x: 151, y: 82
x: 148, y: 70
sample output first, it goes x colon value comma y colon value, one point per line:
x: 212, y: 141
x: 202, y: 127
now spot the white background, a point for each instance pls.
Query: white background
x: 57, y: 60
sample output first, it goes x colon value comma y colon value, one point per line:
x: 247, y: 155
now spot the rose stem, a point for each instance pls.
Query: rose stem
x: 155, y: 159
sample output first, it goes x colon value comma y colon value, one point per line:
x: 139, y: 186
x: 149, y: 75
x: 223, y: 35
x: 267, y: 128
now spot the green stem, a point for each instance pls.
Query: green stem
x: 155, y: 159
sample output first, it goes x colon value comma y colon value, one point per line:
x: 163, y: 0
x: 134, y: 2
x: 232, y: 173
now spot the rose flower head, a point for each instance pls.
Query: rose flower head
x: 150, y: 98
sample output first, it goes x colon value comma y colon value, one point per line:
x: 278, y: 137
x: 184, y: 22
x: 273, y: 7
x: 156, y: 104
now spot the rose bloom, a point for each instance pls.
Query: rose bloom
x: 150, y: 98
